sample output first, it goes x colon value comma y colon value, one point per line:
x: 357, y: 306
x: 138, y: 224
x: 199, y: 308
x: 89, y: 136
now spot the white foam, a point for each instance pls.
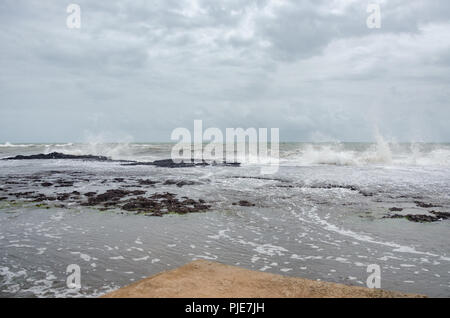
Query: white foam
x: 379, y: 153
x: 360, y: 236
x: 10, y: 145
x: 117, y: 257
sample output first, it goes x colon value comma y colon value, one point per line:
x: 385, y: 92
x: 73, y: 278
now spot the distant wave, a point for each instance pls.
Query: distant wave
x: 10, y: 145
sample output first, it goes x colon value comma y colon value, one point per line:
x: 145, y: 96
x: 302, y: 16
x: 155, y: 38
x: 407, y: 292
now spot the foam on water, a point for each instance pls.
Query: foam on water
x: 316, y: 219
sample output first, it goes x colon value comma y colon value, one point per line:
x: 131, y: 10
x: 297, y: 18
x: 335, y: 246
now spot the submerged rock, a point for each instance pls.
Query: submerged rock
x: 180, y: 183
x: 157, y: 204
x: 441, y: 215
x: 169, y: 163
x: 110, y: 195
x: 147, y: 182
x: 244, y: 203
x: 63, y: 184
x: 425, y: 205
x: 421, y: 218
x: 117, y: 195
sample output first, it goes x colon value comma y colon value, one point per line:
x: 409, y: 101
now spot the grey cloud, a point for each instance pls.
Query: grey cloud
x: 143, y: 68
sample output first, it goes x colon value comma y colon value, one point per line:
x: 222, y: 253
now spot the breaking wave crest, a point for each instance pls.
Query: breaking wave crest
x: 380, y: 153
x: 290, y: 154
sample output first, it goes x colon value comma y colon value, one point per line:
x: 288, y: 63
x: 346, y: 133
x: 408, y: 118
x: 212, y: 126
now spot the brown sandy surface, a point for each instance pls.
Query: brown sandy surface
x: 203, y: 279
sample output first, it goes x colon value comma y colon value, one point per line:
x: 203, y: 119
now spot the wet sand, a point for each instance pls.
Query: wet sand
x: 204, y: 279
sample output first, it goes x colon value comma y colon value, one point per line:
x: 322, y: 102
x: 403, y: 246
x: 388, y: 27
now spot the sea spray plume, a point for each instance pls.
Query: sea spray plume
x: 360, y: 154
x: 329, y: 154
x: 97, y: 145
x: 382, y: 152
x: 342, y: 154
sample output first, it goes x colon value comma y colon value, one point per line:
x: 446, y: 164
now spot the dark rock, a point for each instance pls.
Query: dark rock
x: 125, y: 198
x: 58, y: 155
x: 420, y: 218
x: 146, y: 182
x: 62, y: 196
x: 26, y: 195
x: 183, y: 183
x: 179, y: 183
x: 244, y: 203
x: 165, y: 163
x: 109, y: 195
x: 425, y: 205
x: 42, y: 197
x: 335, y: 186
x: 166, y: 195
x: 64, y: 184
x: 137, y: 192
x: 394, y: 216
x: 394, y: 209
x: 227, y: 164
x: 169, y: 163
x: 159, y: 204
x: 441, y: 215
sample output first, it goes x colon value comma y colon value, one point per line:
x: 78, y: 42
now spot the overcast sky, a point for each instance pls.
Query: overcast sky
x: 137, y: 69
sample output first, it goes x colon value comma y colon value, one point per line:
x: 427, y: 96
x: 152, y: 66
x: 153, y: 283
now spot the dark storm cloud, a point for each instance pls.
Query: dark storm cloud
x: 138, y: 69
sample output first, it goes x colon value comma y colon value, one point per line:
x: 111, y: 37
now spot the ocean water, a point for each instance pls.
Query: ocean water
x: 321, y: 216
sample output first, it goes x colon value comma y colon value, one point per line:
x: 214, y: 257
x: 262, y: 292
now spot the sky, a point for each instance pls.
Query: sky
x: 137, y: 69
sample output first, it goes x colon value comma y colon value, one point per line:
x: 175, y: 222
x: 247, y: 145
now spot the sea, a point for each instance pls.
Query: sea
x: 331, y: 212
